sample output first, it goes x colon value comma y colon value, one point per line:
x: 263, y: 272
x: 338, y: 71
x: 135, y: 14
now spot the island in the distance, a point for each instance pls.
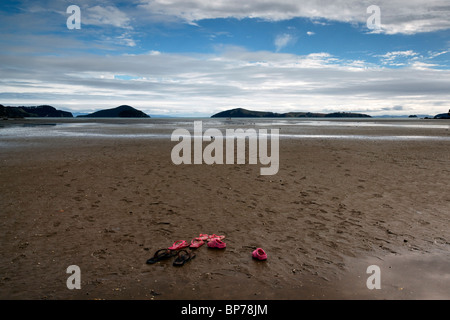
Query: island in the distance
x: 43, y: 111
x: 244, y: 113
x: 443, y: 115
x: 123, y: 111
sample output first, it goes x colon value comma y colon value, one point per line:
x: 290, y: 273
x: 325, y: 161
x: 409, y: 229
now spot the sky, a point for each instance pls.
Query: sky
x: 199, y: 57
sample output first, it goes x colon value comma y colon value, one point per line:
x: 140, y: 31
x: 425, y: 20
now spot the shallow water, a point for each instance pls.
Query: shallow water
x: 356, y: 129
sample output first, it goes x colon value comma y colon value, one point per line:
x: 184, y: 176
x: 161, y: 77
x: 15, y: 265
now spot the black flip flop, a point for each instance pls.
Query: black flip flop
x: 161, y: 254
x: 183, y: 256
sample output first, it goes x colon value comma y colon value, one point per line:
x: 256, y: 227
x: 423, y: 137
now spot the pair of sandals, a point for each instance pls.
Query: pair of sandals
x: 182, y: 256
x: 180, y: 244
x: 213, y: 241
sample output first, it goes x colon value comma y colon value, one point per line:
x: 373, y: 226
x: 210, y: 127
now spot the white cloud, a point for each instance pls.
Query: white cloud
x: 410, y: 58
x: 397, y: 16
x: 126, y: 40
x: 283, y: 40
x: 310, y: 33
x: 232, y: 77
x: 394, y: 54
x: 437, y: 54
x: 398, y: 58
x: 106, y: 16
x: 110, y: 17
x: 423, y: 65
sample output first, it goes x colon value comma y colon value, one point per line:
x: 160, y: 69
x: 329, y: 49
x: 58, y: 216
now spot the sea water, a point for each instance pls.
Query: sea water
x: 14, y: 132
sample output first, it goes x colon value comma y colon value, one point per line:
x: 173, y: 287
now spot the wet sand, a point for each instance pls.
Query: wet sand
x: 335, y: 207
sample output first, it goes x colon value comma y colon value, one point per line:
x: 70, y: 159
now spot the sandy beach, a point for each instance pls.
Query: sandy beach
x: 335, y: 207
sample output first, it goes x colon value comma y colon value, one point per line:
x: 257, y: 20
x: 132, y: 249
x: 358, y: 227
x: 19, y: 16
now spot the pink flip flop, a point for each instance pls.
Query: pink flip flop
x: 215, y: 236
x: 259, y: 254
x: 179, y: 244
x: 196, y: 243
x: 202, y: 236
x: 216, y: 243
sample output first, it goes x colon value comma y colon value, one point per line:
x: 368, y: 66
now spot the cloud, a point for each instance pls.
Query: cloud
x: 394, y: 54
x: 437, y: 54
x: 106, y: 16
x: 397, y: 16
x: 283, y: 40
x: 394, y: 108
x: 209, y: 83
x: 398, y: 58
x: 411, y: 59
x: 310, y: 33
x: 126, y: 39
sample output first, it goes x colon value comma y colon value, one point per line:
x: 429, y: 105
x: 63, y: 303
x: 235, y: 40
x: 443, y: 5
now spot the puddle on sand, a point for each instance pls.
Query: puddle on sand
x: 408, y: 276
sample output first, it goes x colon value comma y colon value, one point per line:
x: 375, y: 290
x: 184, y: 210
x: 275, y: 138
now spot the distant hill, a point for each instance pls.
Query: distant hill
x: 403, y: 116
x: 244, y: 113
x: 443, y: 115
x: 30, y: 112
x: 346, y: 115
x: 119, y: 112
